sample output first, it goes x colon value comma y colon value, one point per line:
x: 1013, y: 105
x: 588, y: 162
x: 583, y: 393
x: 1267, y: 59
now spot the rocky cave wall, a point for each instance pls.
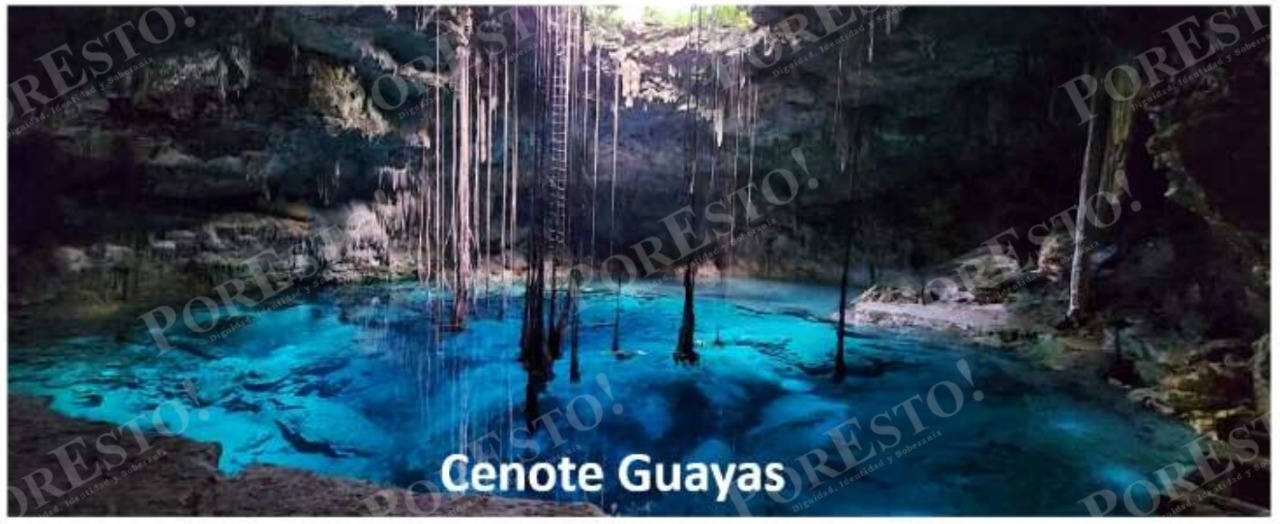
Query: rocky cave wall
x: 260, y: 127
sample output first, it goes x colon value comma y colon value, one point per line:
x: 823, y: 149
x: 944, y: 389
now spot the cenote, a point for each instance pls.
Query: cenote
x: 351, y: 382
x: 961, y: 260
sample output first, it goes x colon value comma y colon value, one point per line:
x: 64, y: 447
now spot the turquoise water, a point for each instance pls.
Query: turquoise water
x: 354, y: 382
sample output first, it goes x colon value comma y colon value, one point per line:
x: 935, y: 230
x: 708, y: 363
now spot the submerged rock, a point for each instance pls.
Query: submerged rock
x: 872, y: 367
x: 268, y: 379
x: 320, y: 367
x: 314, y: 425
x: 324, y: 387
x: 87, y: 396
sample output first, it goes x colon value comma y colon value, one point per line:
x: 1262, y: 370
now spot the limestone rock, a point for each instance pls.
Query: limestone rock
x: 889, y: 295
x: 179, y: 477
x: 1054, y: 258
x: 1261, y: 364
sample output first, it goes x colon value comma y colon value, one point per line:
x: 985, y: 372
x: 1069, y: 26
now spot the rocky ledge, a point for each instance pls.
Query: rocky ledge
x: 976, y: 319
x: 53, y: 459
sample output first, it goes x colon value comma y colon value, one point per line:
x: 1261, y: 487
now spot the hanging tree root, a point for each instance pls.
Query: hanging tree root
x: 685, y: 352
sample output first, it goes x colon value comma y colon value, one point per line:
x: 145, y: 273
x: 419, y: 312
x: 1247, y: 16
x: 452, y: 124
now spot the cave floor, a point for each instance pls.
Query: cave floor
x: 353, y: 382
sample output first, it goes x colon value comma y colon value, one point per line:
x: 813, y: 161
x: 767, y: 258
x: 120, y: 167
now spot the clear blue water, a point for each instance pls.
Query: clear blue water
x: 353, y: 382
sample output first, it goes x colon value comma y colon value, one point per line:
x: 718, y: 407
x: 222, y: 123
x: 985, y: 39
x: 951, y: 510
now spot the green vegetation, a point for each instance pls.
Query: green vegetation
x: 721, y: 15
x: 605, y: 16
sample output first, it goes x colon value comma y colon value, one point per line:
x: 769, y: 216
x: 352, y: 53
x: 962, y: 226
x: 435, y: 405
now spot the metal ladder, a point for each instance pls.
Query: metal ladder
x: 558, y: 175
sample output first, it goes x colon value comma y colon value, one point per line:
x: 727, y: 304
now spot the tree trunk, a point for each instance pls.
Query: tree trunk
x: 463, y: 243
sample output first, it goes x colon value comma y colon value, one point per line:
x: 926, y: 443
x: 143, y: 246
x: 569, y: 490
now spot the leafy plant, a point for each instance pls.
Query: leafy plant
x: 721, y: 15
